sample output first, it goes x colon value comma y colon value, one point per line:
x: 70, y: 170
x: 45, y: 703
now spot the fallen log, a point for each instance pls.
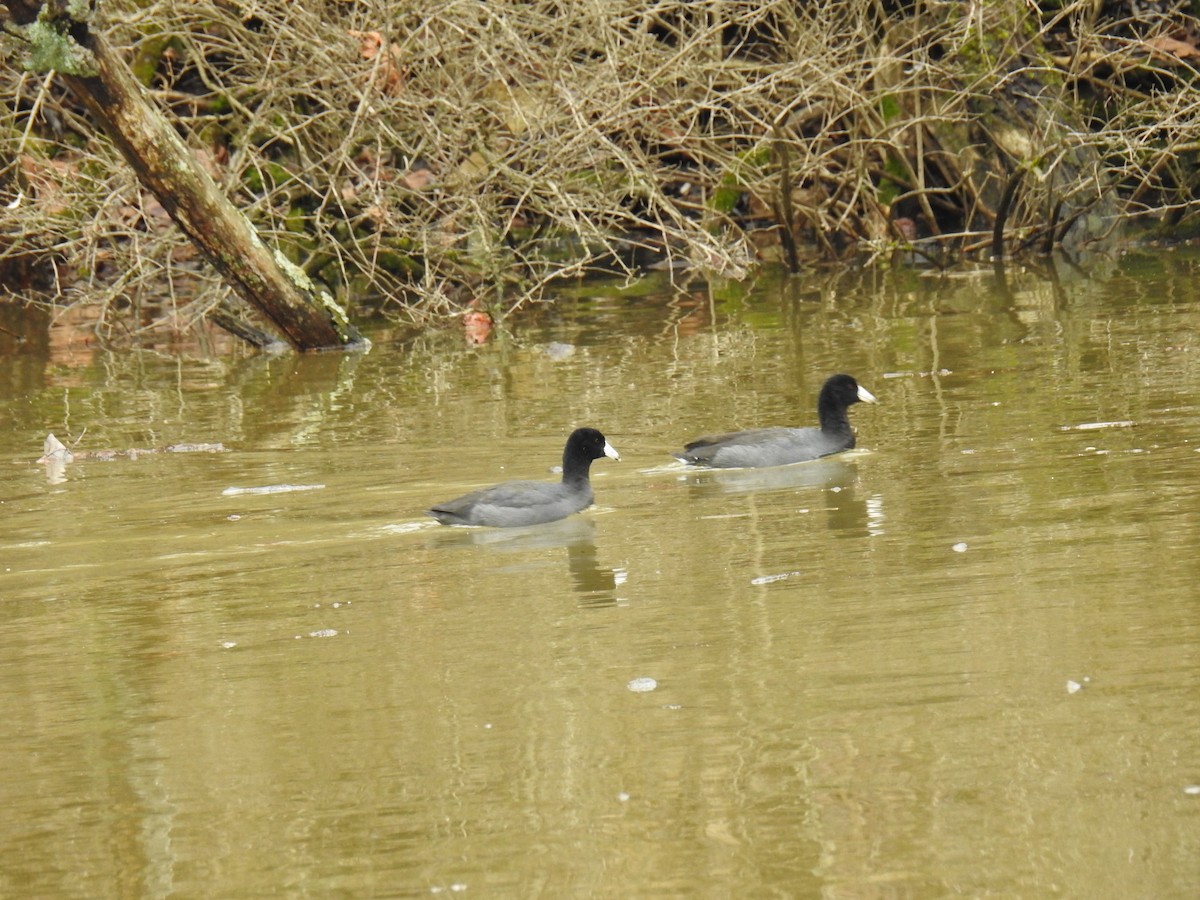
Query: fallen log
x: 62, y: 38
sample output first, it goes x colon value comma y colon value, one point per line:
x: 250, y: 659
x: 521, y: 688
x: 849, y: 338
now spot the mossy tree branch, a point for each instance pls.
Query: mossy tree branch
x: 62, y: 38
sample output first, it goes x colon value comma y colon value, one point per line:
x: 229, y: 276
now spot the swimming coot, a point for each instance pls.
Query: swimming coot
x: 516, y: 503
x: 781, y: 446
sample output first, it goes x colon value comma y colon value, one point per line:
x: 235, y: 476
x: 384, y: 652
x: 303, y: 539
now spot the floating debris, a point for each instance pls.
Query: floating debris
x: 1094, y: 426
x: 557, y: 350
x: 960, y: 547
x: 324, y: 632
x: 768, y: 579
x: 271, y: 489
x: 642, y: 685
x: 912, y: 374
x: 54, y: 450
x: 56, y: 455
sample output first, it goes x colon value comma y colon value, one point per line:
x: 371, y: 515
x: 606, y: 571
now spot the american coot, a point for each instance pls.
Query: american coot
x: 781, y: 446
x: 516, y: 503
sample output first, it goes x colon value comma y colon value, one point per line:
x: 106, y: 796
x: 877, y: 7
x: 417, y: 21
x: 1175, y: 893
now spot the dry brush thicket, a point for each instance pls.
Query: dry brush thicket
x: 423, y: 154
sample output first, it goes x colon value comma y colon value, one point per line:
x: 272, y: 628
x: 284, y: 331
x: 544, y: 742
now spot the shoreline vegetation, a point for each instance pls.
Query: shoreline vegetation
x: 448, y: 160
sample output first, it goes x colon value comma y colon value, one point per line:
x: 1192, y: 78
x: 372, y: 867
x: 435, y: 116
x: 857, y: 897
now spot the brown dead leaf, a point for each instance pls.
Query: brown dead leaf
x: 127, y: 214
x: 155, y: 212
x: 1169, y: 46
x: 390, y: 75
x: 208, y: 161
x: 184, y: 253
x: 369, y: 43
x: 477, y: 326
x: 418, y: 179
x: 45, y: 178
x: 907, y: 227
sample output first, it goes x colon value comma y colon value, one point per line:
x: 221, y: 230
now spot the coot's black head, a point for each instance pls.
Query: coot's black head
x: 586, y: 444
x: 842, y: 391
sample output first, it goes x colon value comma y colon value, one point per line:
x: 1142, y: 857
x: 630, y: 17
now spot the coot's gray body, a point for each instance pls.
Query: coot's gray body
x: 783, y: 446
x: 516, y: 503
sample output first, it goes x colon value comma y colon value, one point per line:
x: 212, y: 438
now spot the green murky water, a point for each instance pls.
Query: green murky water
x: 963, y: 659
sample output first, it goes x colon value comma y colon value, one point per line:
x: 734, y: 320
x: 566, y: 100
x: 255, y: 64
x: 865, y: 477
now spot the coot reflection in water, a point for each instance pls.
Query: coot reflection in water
x: 839, y: 472
x: 824, y: 486
x: 595, y: 584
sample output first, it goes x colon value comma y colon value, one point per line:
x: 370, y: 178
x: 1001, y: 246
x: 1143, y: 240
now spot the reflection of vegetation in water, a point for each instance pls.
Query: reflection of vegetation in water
x: 514, y: 143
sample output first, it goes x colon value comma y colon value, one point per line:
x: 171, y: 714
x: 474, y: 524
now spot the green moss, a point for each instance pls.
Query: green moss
x: 337, y: 315
x: 341, y: 321
x: 891, y: 185
x: 268, y: 175
x: 732, y: 186
x: 399, y: 263
x: 296, y: 220
x: 726, y: 196
x: 889, y: 108
x: 51, y: 49
x: 149, y: 55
